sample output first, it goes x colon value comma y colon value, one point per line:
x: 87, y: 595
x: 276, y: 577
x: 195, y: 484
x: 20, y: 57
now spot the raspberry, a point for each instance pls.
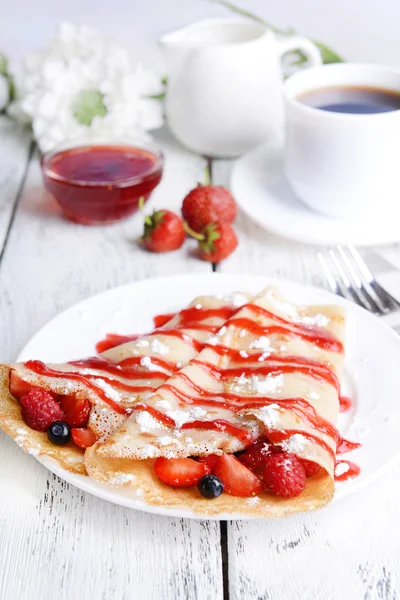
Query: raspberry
x: 310, y: 467
x: 284, y: 475
x: 39, y: 409
x: 254, y: 456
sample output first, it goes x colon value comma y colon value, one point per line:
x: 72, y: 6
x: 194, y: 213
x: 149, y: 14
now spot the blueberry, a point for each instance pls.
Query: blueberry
x: 59, y: 433
x: 210, y: 486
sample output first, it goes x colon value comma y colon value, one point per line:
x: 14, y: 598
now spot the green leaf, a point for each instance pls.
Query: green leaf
x: 3, y: 65
x: 157, y: 96
x: 328, y: 55
x: 88, y: 104
x: 211, y: 234
x: 5, y: 72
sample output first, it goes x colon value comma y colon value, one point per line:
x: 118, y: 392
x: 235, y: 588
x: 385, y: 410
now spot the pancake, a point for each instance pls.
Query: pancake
x: 274, y: 370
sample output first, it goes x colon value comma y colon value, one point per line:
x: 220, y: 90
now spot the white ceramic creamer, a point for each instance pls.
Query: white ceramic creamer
x: 224, y: 92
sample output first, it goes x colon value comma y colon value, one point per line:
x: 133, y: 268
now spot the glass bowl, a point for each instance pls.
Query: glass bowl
x: 101, y: 180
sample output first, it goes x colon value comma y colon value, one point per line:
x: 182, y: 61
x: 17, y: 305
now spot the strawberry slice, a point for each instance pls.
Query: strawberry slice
x: 84, y: 438
x: 210, y: 460
x: 76, y: 410
x: 19, y: 387
x: 180, y: 472
x: 238, y: 480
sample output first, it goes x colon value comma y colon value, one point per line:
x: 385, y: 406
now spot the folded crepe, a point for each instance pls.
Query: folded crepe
x: 112, y: 381
x: 272, y: 370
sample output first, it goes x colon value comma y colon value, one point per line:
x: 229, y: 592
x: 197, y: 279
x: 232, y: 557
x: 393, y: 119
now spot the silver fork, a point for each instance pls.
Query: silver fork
x: 349, y: 277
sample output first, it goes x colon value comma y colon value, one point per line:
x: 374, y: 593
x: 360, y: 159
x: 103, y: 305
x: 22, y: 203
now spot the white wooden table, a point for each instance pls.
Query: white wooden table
x: 58, y: 542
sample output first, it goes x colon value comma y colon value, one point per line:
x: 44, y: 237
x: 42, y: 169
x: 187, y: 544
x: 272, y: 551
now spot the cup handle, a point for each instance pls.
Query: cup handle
x: 297, y: 42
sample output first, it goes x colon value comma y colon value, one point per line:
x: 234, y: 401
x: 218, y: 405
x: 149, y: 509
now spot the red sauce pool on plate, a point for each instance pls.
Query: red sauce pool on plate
x: 101, y: 183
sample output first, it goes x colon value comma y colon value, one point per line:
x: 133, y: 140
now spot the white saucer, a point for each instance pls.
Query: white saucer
x: 262, y: 191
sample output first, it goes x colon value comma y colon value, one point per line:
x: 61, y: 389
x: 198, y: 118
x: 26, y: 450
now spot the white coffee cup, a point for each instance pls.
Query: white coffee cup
x: 340, y: 164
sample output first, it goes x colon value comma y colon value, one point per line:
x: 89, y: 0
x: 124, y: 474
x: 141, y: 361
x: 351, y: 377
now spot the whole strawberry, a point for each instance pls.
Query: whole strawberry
x: 163, y: 231
x: 216, y: 242
x: 208, y: 204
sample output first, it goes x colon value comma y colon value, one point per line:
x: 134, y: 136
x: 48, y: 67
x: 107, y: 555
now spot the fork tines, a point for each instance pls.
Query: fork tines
x: 348, y: 275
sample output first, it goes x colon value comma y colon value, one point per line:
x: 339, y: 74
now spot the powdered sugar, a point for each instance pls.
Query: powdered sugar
x: 121, y: 478
x: 269, y: 385
x: 253, y: 501
x: 142, y: 344
x: 181, y: 416
x: 158, y: 347
x: 257, y: 385
x: 146, y: 362
x: 269, y: 415
x: 199, y: 306
x: 108, y: 389
x: 166, y: 440
x: 213, y: 340
x: 319, y: 320
x: 244, y: 354
x: 146, y: 422
x: 262, y: 343
x: 163, y: 404
x: 296, y: 443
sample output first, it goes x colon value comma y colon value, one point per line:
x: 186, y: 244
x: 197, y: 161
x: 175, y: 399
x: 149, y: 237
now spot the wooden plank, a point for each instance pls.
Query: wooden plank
x: 341, y: 551
x: 56, y: 539
x: 15, y: 142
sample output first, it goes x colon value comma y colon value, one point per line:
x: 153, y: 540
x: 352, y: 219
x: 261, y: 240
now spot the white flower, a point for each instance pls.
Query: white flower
x: 82, y: 86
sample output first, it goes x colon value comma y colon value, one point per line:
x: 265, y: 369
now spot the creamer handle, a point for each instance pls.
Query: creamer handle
x: 297, y: 42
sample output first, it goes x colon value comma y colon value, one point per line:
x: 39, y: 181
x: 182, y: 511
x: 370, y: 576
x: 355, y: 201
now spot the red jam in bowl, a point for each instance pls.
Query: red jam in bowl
x: 95, y: 184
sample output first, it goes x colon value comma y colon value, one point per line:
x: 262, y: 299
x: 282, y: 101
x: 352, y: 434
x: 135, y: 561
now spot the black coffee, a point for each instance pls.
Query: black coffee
x: 352, y: 99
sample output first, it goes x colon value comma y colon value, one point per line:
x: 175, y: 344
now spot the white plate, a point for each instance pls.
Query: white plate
x: 264, y: 194
x: 372, y: 363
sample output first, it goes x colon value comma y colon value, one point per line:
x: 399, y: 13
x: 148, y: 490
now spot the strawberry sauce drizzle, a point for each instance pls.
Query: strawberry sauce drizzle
x: 160, y: 320
x: 310, y: 333
x: 346, y: 446
x: 97, y: 362
x: 345, y: 403
x: 114, y: 339
x: 284, y: 434
x: 215, y: 425
x: 189, y: 318
x: 40, y: 368
x: 315, y: 369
